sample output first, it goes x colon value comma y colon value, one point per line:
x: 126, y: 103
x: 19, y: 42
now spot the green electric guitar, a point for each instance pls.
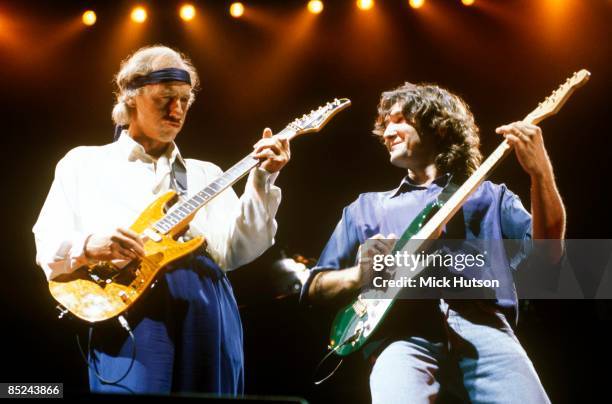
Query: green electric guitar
x: 356, y: 322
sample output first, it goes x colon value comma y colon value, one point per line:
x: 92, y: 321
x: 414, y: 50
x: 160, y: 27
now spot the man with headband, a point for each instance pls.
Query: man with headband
x: 187, y: 330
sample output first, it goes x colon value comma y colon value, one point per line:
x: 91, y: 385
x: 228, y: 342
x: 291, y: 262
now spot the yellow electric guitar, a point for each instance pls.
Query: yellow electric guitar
x: 103, y: 291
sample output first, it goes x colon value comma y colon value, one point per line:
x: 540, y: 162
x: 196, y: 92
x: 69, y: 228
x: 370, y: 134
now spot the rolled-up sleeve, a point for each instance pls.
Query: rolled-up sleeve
x: 340, y: 251
x: 516, y: 226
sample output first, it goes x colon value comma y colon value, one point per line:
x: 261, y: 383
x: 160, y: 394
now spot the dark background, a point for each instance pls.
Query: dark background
x: 266, y: 69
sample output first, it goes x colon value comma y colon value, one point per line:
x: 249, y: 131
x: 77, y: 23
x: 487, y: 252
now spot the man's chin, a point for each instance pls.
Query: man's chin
x: 168, y: 135
x: 398, y: 161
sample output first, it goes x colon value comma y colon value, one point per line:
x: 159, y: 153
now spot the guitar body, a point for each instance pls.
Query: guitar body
x: 100, y: 292
x: 356, y: 322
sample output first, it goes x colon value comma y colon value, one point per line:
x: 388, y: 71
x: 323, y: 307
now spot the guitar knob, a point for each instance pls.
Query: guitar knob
x: 124, y: 297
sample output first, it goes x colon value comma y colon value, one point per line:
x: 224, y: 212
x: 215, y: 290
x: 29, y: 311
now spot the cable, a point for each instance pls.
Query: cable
x: 125, y: 325
x: 352, y: 338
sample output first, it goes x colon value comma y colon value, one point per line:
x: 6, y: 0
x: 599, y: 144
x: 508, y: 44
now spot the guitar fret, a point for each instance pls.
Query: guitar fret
x: 194, y: 205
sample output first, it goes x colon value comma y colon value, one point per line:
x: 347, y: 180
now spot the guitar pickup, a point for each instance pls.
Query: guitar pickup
x: 152, y: 235
x: 360, y: 307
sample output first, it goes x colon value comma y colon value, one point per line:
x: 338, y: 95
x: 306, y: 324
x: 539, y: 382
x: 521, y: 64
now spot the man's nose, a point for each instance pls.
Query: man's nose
x: 390, y: 132
x: 176, y: 109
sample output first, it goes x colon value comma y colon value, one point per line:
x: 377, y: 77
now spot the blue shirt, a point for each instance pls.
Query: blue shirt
x: 492, y: 212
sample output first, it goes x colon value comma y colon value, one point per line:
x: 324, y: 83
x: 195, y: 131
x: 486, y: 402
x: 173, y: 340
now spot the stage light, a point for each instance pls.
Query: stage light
x: 236, y: 10
x: 89, y: 18
x: 467, y: 2
x: 187, y: 12
x: 365, y: 4
x: 139, y: 15
x: 315, y: 6
x: 416, y: 3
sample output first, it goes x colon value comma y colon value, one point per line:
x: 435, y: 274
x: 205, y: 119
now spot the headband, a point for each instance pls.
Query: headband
x: 160, y: 76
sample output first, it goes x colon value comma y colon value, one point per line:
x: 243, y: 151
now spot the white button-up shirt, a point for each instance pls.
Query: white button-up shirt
x: 99, y: 188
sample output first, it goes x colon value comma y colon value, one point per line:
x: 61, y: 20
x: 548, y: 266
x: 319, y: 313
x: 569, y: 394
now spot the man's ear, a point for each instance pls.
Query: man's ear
x: 130, y: 102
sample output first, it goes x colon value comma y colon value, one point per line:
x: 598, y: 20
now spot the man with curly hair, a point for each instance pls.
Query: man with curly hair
x: 427, y: 350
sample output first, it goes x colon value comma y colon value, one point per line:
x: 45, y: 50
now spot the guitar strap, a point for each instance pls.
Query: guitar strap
x: 178, y: 177
x: 455, y: 228
x: 448, y: 191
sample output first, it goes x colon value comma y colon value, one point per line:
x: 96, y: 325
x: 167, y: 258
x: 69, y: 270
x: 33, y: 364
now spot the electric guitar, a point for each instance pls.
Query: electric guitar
x: 356, y: 322
x: 102, y: 291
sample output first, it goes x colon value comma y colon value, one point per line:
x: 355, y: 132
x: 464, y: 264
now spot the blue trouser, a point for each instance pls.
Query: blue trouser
x: 188, y: 337
x: 480, y: 361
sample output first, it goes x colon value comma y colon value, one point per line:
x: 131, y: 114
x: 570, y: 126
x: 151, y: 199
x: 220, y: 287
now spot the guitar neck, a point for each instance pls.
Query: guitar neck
x: 186, y: 209
x: 550, y: 106
x: 452, y: 206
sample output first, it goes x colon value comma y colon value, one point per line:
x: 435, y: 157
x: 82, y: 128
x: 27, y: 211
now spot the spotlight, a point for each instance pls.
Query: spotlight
x: 467, y: 2
x: 89, y: 18
x: 236, y: 10
x: 315, y: 6
x: 416, y: 3
x: 187, y: 12
x: 365, y: 4
x: 139, y: 15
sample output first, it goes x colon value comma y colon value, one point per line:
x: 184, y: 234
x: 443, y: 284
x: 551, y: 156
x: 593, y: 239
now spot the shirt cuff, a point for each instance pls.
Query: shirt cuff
x: 77, y: 252
x: 313, y: 272
x: 263, y: 180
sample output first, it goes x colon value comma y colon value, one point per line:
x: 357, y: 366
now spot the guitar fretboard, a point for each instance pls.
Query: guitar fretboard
x: 184, y: 210
x: 455, y: 202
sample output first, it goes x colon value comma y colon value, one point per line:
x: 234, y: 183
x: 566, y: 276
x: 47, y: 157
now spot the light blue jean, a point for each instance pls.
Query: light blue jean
x: 482, y: 362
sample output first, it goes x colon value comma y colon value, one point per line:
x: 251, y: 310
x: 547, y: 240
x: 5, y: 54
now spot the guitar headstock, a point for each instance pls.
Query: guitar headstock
x: 316, y: 119
x: 553, y: 103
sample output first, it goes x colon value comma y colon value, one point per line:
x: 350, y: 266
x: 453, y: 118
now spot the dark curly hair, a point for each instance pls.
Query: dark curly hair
x: 439, y: 117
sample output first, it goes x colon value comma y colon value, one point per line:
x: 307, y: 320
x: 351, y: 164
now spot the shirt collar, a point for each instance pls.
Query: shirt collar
x: 133, y: 150
x: 407, y: 184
